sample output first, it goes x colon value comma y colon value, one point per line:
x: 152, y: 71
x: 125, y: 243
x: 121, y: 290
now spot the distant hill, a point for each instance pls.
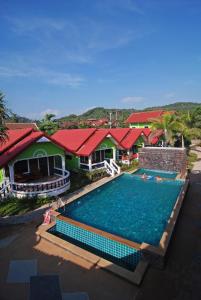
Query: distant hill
x: 101, y: 112
x: 178, y: 106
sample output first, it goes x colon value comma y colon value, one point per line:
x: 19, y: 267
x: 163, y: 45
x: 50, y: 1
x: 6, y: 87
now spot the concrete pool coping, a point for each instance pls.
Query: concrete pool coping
x: 133, y: 277
x: 150, y: 254
x: 155, y: 255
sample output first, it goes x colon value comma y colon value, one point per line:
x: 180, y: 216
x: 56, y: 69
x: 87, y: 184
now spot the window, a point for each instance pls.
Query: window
x: 21, y: 167
x: 57, y: 162
x: 84, y: 160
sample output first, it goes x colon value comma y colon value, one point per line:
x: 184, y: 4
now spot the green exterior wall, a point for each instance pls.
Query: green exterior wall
x: 1, y: 175
x: 106, y: 143
x: 72, y: 163
x: 139, y: 125
x: 39, y: 150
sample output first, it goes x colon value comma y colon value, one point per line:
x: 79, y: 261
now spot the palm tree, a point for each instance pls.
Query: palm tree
x: 3, y: 116
x: 48, y: 125
x: 168, y: 124
x: 184, y: 126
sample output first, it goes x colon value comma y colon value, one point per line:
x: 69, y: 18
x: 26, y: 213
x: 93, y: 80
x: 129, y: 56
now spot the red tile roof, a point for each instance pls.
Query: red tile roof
x: 144, y: 117
x: 15, y: 126
x: 72, y: 139
x: 14, y: 136
x: 146, y: 131
x: 119, y: 133
x: 93, y: 142
x: 154, y: 136
x: 19, y: 147
x: 131, y: 137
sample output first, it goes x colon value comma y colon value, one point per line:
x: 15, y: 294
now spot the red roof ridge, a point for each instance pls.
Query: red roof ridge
x: 96, y: 138
x: 144, y: 116
x: 19, y: 133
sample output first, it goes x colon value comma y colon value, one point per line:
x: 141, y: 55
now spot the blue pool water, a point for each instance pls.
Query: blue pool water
x: 129, y: 207
x: 154, y: 173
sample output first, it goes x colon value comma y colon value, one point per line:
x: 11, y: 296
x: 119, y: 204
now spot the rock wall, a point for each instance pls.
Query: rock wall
x: 167, y: 159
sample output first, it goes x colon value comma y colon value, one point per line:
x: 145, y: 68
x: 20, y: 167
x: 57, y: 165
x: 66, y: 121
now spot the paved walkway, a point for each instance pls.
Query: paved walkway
x: 197, y: 164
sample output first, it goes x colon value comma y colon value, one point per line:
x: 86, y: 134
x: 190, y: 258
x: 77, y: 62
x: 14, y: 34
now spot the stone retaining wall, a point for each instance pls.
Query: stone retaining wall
x: 166, y: 158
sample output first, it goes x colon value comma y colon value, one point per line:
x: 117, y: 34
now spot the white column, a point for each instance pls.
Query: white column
x: 48, y: 166
x: 63, y: 165
x: 11, y: 173
x: 28, y: 166
x: 90, y: 162
x: 38, y: 161
x: 114, y: 153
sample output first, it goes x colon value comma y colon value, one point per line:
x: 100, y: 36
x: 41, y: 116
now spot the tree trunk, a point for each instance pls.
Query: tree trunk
x: 182, y: 141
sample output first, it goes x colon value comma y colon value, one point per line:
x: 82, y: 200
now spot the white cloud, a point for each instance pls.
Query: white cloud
x: 132, y: 99
x: 46, y: 75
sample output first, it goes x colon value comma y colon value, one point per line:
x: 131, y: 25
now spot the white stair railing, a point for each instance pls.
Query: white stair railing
x: 109, y: 169
x: 115, y: 166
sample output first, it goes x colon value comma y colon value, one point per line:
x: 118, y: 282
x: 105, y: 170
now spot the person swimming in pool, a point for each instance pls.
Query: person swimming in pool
x: 158, y: 178
x: 144, y: 176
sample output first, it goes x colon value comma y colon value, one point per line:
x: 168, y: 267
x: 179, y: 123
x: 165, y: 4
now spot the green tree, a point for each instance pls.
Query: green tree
x: 168, y: 124
x: 48, y: 124
x: 185, y: 127
x: 3, y: 117
x: 196, y: 118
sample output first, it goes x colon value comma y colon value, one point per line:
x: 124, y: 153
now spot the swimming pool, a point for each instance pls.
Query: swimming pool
x: 126, y: 207
x: 162, y: 174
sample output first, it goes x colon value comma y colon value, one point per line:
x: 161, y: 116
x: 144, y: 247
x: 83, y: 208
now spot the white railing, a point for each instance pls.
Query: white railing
x: 4, y: 188
x: 115, y: 166
x: 109, y: 168
x: 51, y: 187
x: 94, y: 166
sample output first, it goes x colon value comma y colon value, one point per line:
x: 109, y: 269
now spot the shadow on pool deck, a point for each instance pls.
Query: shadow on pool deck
x: 75, y: 273
x: 181, y: 278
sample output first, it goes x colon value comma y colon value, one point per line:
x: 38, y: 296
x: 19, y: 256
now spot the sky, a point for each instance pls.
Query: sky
x: 68, y: 56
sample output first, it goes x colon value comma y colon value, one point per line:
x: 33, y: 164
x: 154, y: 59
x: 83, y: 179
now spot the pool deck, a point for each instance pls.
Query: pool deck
x: 180, y: 279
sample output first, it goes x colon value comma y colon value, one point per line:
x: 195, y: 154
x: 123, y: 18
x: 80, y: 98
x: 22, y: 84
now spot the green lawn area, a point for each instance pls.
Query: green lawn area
x: 15, y: 206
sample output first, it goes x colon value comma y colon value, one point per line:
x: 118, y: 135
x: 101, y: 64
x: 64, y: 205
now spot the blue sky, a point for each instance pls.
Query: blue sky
x: 67, y: 56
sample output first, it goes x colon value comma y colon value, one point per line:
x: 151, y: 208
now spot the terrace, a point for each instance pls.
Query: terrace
x: 43, y: 176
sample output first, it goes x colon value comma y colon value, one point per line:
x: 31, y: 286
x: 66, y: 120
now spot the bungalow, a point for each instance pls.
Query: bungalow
x: 89, y: 149
x: 129, y: 141
x: 32, y: 164
x: 143, y: 119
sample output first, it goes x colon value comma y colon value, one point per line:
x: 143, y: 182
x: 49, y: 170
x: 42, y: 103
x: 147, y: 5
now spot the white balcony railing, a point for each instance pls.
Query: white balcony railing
x: 48, y: 188
x: 4, y: 188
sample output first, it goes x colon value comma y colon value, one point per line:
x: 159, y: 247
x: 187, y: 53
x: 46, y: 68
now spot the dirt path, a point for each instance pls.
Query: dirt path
x: 197, y: 164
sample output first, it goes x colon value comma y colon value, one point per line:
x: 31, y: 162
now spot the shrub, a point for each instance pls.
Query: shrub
x: 134, y: 164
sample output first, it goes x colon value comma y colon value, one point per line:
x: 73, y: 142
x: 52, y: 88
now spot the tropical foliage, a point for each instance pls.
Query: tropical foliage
x: 3, y: 116
x: 168, y: 124
x: 179, y: 127
x: 48, y: 124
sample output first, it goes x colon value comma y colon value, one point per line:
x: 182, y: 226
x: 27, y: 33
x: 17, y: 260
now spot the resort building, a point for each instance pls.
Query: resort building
x: 144, y: 119
x: 32, y: 164
x: 89, y: 149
